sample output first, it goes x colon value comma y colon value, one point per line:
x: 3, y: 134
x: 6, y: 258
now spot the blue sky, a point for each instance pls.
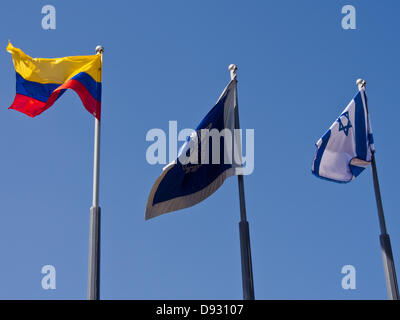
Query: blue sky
x: 168, y: 60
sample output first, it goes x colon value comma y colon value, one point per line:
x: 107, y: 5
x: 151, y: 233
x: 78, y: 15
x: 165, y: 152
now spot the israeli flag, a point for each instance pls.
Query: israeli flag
x: 346, y: 148
x: 211, y: 154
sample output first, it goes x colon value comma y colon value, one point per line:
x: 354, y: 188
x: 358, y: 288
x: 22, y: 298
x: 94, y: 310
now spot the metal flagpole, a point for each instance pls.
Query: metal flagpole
x: 245, y: 250
x: 387, y: 254
x: 94, y: 228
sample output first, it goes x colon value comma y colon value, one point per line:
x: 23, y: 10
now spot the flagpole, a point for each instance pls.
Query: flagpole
x: 387, y: 254
x: 245, y: 250
x: 95, y: 211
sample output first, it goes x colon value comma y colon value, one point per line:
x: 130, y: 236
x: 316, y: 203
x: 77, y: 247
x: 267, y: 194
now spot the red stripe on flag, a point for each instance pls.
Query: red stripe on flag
x: 33, y: 107
x: 28, y: 105
x: 90, y: 103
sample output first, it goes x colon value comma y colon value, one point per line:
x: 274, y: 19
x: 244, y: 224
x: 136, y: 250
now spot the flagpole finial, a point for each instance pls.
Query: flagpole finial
x: 361, y: 83
x: 99, y: 49
x: 233, y: 68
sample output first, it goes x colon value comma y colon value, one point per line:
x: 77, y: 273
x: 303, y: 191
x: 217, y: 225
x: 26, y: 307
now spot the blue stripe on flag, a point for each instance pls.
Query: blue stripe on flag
x: 371, y: 138
x: 35, y: 90
x: 360, y: 130
x: 356, y: 170
x: 321, y: 151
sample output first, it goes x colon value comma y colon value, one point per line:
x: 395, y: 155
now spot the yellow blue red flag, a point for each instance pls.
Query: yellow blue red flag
x: 41, y: 81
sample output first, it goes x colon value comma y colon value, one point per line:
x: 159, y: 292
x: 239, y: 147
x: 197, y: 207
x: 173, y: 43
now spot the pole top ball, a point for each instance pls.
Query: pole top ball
x: 232, y: 67
x: 99, y: 49
x: 361, y: 83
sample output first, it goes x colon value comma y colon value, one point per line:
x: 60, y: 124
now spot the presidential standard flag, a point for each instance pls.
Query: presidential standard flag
x: 346, y: 148
x: 194, y: 175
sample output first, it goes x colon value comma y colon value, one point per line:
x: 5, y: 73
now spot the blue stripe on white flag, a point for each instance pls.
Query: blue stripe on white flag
x: 361, y: 132
x: 320, y: 152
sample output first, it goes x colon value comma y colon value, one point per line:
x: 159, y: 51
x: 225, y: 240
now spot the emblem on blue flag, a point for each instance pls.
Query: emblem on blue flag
x: 345, y: 150
x: 206, y: 159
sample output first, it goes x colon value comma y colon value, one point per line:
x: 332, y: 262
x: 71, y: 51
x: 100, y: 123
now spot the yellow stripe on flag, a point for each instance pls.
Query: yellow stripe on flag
x: 56, y: 70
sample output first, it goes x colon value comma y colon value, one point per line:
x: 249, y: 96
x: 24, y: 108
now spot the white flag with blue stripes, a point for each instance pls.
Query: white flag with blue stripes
x: 346, y: 148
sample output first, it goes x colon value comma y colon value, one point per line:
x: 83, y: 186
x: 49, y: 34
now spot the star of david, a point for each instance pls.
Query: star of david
x: 342, y: 127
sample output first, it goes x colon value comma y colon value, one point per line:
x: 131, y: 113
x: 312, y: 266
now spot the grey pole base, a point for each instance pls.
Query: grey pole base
x: 387, y: 254
x: 247, y: 269
x: 94, y: 255
x: 388, y: 264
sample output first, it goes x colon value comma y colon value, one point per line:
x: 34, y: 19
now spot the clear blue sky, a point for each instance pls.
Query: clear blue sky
x: 167, y: 60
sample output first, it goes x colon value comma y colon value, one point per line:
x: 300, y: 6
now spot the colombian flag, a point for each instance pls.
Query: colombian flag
x: 40, y: 81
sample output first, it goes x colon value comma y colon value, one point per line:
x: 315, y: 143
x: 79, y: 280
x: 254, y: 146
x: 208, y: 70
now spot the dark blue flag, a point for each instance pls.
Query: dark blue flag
x: 207, y: 158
